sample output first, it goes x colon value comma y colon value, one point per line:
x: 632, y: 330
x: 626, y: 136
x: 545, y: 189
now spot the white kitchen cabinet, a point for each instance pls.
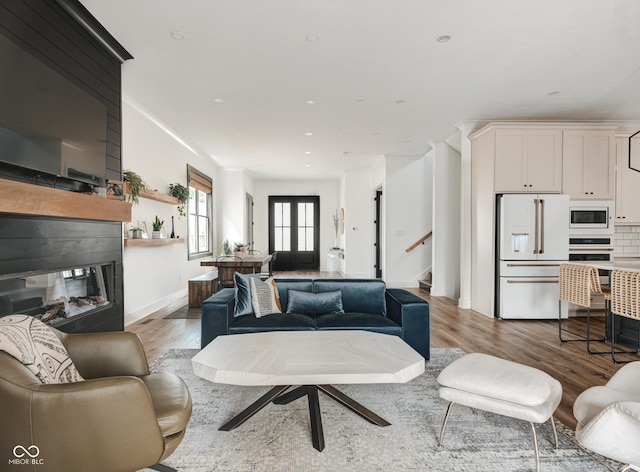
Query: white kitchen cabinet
x: 588, y: 164
x: 627, y: 187
x: 528, y: 160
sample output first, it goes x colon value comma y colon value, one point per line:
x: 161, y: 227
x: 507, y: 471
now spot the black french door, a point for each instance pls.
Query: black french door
x: 294, y: 223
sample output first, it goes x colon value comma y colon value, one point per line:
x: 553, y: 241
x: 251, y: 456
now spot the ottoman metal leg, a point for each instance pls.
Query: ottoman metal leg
x: 444, y: 424
x: 535, y: 446
x: 555, y: 432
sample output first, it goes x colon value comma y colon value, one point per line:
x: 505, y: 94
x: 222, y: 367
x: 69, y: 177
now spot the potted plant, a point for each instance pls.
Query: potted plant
x: 136, y: 232
x: 226, y: 248
x: 241, y: 249
x: 180, y: 192
x: 136, y: 184
x: 157, y: 228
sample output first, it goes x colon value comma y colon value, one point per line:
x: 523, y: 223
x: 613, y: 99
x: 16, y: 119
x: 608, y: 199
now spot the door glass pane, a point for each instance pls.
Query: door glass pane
x: 309, y: 239
x: 286, y: 239
x: 309, y: 219
x: 301, y: 215
x: 301, y: 239
x: 282, y: 226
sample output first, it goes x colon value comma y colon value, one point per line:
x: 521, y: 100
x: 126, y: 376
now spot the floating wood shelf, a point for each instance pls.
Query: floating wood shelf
x: 152, y: 242
x: 160, y: 197
x: 20, y: 198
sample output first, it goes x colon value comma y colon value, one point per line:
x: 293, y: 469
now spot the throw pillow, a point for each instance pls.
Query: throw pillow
x: 264, y: 297
x: 35, y: 345
x: 308, y: 303
x: 243, y: 293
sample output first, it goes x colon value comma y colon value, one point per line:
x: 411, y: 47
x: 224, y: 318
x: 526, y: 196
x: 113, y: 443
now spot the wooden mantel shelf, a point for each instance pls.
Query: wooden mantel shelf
x: 152, y: 242
x: 20, y: 198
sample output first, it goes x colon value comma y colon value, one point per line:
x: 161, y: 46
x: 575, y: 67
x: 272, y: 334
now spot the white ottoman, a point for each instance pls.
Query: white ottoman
x: 503, y: 387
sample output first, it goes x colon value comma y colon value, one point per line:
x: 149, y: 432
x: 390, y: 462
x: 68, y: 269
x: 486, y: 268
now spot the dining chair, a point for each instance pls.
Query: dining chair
x: 625, y: 302
x: 577, y: 282
x: 270, y: 267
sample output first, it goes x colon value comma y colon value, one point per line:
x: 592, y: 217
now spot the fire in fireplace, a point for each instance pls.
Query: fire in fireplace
x: 57, y: 297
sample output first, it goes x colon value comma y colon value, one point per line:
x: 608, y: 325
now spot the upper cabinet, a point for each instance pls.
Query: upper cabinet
x: 588, y: 164
x: 627, y: 186
x: 528, y: 160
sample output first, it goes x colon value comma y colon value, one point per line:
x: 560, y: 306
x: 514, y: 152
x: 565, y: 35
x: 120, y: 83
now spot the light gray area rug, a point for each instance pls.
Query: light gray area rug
x: 278, y: 438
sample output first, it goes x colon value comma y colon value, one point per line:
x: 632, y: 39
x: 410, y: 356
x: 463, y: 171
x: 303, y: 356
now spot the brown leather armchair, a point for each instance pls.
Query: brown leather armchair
x: 121, y: 418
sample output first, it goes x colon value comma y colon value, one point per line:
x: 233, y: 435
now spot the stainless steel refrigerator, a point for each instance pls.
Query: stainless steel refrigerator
x: 533, y: 239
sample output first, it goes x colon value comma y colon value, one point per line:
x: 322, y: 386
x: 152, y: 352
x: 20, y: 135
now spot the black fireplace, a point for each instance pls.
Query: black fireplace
x: 59, y: 297
x: 67, y: 272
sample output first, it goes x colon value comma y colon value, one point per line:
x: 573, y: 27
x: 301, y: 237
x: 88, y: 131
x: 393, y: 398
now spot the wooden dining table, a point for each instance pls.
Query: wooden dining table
x: 249, y: 264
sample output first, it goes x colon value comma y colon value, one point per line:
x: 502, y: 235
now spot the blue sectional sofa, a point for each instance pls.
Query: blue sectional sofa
x: 367, y: 305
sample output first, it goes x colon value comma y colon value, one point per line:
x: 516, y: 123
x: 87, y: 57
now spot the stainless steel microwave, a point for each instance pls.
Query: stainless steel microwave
x: 592, y: 217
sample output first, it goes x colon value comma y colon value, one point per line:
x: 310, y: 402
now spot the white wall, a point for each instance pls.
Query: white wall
x: 446, y: 221
x: 407, y: 217
x: 156, y: 276
x: 327, y: 190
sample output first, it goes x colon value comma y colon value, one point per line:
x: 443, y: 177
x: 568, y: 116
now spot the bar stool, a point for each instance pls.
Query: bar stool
x: 576, y: 284
x: 625, y: 302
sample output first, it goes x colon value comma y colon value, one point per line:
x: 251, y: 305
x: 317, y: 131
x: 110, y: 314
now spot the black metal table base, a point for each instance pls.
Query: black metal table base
x: 280, y: 396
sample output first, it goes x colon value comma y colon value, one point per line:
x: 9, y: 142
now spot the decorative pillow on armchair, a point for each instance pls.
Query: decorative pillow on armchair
x: 35, y: 345
x: 308, y: 303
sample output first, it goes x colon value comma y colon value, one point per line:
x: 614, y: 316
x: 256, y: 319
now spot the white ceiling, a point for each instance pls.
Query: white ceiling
x: 381, y: 82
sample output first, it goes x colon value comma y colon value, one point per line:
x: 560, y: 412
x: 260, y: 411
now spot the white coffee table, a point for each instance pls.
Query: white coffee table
x: 310, y: 360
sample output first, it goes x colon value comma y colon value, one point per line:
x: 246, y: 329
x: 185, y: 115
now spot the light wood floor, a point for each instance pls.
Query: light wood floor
x: 529, y: 342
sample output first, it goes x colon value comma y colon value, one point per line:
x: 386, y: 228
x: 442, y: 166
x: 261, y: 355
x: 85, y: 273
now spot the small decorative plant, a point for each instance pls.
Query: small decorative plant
x: 180, y: 192
x: 226, y: 248
x: 136, y: 232
x: 240, y: 247
x: 136, y: 184
x: 157, y: 224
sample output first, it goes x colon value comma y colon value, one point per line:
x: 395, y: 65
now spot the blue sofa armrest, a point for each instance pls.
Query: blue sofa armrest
x: 412, y: 313
x: 217, y: 315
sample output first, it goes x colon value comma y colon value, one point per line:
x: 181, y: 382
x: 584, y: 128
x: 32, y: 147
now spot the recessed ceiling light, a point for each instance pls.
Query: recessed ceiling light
x: 551, y: 94
x: 307, y: 152
x: 307, y: 165
x: 377, y: 133
x: 312, y: 38
x: 445, y: 38
x: 359, y: 99
x: 218, y: 100
x: 177, y: 35
x: 310, y: 102
x: 308, y: 134
x: 346, y: 153
x: 400, y: 101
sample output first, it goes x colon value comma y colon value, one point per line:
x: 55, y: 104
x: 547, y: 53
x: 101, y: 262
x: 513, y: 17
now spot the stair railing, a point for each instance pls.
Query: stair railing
x: 419, y: 242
